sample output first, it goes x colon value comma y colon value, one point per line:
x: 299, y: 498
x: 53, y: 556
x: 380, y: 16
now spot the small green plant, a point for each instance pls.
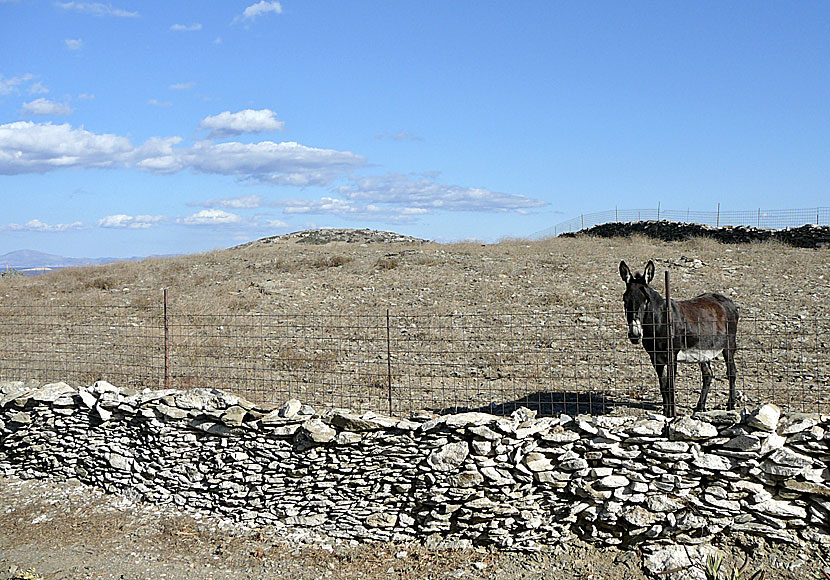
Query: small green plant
x: 714, y: 562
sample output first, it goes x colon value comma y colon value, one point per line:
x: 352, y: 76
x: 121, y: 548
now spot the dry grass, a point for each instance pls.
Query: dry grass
x: 472, y: 323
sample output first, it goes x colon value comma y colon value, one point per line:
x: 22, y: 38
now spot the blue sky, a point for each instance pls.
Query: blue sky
x: 136, y: 128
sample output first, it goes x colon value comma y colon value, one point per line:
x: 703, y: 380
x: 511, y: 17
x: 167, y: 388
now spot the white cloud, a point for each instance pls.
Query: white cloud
x: 211, y: 217
x: 27, y: 147
x: 36, y: 225
x: 9, y: 84
x: 248, y: 121
x: 46, y: 107
x: 239, y: 202
x: 182, y: 86
x: 157, y: 103
x: 131, y: 222
x: 86, y: 97
x: 38, y: 88
x: 96, y: 9
x: 254, y: 11
x: 271, y: 162
x: 186, y: 27
x: 157, y: 155
x: 74, y: 43
x: 423, y: 192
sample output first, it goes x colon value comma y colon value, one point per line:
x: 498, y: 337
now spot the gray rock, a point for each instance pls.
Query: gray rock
x: 647, y: 428
x: 316, y: 431
x: 448, y: 457
x: 686, y: 428
x: 766, y: 418
x: 51, y: 392
x: 290, y: 409
x: 537, y: 462
x: 744, y: 442
x: 351, y: 422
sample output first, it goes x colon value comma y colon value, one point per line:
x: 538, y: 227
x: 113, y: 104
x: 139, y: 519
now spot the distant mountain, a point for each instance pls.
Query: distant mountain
x: 33, y: 260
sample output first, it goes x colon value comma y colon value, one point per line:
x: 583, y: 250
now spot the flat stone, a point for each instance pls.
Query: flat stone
x: 744, y: 442
x: 647, y: 428
x: 51, y: 392
x: 464, y: 420
x: 662, y: 503
x: 234, y: 416
x: 381, y: 520
x: 612, y: 482
x: 800, y: 423
x: 537, y: 462
x: 20, y: 418
x: 789, y: 458
x: 712, y: 462
x: 780, y: 509
x: 448, y: 457
x: 766, y: 418
x: 316, y: 431
x: 171, y: 412
x: 807, y: 487
x: 351, y: 422
x: 469, y: 478
x: 348, y: 438
x: 686, y: 428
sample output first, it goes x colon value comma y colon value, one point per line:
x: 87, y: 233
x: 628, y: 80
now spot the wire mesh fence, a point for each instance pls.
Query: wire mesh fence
x: 759, y: 218
x: 398, y: 363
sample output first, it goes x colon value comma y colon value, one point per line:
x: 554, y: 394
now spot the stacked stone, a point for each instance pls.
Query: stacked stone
x: 457, y: 480
x: 806, y: 236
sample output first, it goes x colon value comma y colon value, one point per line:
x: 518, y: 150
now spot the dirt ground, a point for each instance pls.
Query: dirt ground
x: 65, y: 530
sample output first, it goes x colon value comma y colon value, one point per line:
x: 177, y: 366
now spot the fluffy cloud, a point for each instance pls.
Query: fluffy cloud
x: 248, y: 121
x: 96, y: 9
x: 254, y: 11
x: 186, y: 27
x: 208, y: 217
x: 182, y: 86
x: 131, y: 222
x: 269, y: 162
x: 27, y: 147
x: 74, y: 43
x: 239, y: 202
x: 46, y: 107
x: 36, y: 225
x: 424, y: 193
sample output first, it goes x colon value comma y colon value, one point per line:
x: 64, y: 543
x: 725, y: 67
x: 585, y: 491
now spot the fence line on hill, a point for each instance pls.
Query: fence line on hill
x: 399, y: 362
x: 766, y: 219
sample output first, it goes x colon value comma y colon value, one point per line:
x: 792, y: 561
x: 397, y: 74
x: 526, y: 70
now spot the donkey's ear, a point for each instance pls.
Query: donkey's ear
x: 625, y: 272
x: 649, y: 272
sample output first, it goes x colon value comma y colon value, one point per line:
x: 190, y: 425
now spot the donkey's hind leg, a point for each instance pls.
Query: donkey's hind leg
x: 731, y: 373
x: 706, y: 370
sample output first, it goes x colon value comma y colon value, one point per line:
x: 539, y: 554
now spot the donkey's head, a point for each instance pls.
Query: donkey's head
x: 636, y: 298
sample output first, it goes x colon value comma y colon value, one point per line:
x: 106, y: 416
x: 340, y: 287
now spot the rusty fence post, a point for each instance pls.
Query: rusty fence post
x: 670, y: 347
x: 166, y: 344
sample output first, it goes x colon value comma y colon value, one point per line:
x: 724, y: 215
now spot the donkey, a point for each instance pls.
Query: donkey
x: 702, y: 328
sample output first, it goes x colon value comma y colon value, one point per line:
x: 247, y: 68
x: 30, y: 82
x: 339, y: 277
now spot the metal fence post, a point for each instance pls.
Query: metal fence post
x: 717, y: 223
x: 389, y: 360
x: 166, y: 344
x: 670, y: 362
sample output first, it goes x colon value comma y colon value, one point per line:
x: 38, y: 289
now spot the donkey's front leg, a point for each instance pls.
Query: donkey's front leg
x: 664, y: 388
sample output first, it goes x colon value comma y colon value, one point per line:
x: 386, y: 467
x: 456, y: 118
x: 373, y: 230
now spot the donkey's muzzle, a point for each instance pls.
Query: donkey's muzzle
x: 635, y: 339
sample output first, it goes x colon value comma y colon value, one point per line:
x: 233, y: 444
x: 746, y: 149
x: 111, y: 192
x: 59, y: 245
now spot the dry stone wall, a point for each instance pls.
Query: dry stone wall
x: 806, y: 236
x: 456, y: 480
